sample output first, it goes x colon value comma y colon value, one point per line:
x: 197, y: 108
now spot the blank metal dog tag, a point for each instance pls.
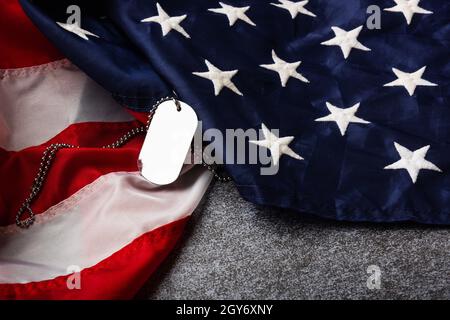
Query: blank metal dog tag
x: 167, y: 142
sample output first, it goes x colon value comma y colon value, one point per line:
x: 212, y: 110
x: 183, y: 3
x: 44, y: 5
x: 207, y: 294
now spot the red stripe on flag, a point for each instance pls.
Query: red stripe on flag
x: 71, y: 170
x: 25, y: 44
x: 119, y: 276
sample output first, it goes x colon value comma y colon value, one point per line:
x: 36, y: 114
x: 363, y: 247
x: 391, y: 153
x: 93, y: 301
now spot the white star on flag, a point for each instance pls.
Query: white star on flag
x: 219, y: 78
x: 347, y: 40
x: 412, y: 161
x: 342, y: 116
x: 294, y: 8
x: 408, y: 8
x: 285, y: 69
x: 277, y: 146
x: 410, y: 80
x: 76, y: 29
x: 234, y: 13
x: 167, y: 22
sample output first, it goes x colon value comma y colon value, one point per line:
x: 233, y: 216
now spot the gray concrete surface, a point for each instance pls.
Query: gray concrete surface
x: 233, y: 249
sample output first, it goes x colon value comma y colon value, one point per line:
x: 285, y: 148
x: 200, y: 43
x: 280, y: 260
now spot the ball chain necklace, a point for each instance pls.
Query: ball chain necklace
x: 49, y: 154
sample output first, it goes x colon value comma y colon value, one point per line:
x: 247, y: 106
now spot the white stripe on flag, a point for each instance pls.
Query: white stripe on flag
x: 39, y: 102
x: 95, y: 222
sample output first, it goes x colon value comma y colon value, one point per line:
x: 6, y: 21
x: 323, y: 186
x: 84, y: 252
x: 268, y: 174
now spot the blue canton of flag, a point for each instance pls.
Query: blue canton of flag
x: 366, y: 111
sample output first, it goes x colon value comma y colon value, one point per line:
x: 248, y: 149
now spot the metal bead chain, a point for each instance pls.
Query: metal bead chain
x: 219, y: 177
x: 47, y: 158
x: 50, y: 152
x: 46, y: 161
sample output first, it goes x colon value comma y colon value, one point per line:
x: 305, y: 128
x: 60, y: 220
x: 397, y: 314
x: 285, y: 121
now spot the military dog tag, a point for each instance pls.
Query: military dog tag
x: 167, y: 142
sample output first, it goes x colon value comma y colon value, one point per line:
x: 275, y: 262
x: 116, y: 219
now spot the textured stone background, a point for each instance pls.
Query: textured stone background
x: 233, y: 249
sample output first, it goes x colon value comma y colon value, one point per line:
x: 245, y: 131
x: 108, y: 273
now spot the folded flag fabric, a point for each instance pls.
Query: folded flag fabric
x: 363, y: 113
x: 101, y: 230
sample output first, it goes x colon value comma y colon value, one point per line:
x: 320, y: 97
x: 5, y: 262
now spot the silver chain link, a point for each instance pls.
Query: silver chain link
x: 50, y: 152
x: 219, y: 177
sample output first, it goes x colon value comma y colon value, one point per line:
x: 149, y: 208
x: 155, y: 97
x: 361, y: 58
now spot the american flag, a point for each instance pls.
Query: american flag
x: 363, y: 113
x: 101, y: 229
